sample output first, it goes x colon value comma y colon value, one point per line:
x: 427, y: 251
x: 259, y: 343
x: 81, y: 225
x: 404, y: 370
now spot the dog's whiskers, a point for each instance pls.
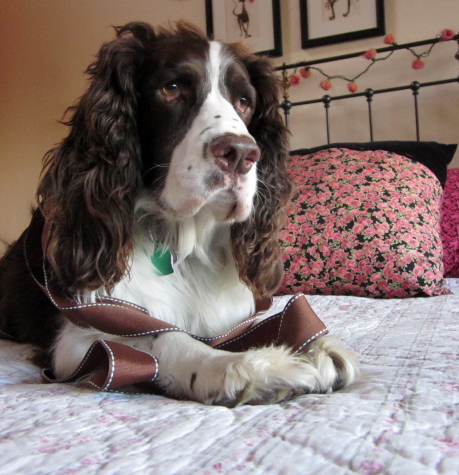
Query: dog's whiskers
x: 156, y: 165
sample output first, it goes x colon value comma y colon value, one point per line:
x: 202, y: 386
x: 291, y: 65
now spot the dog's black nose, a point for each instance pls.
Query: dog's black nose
x: 234, y: 154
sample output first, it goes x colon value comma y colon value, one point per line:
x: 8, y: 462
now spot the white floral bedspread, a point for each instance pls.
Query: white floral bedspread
x: 401, y: 418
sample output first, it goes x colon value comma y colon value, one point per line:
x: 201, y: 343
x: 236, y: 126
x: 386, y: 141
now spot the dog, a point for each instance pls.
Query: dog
x: 176, y: 149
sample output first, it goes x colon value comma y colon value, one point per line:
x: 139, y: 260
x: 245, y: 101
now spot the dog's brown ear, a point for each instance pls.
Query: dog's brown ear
x: 92, y: 178
x: 255, y: 241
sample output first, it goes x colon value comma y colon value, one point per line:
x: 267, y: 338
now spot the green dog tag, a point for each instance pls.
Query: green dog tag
x: 162, y: 261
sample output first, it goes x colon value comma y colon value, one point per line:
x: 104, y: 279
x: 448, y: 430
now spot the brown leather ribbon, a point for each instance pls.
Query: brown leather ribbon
x: 114, y: 366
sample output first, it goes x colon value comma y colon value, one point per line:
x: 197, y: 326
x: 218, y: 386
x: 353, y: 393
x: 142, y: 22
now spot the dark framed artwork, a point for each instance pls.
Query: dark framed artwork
x: 325, y: 22
x: 255, y: 22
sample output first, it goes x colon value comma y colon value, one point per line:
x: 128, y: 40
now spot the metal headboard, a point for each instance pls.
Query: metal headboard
x: 327, y: 100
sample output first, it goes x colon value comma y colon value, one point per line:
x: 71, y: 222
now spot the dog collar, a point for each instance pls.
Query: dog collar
x: 163, y: 261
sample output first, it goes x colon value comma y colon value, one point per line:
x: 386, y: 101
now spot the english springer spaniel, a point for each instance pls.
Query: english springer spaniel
x: 176, y: 152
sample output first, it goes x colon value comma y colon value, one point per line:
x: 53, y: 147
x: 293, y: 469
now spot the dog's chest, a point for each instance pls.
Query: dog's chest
x: 203, y: 300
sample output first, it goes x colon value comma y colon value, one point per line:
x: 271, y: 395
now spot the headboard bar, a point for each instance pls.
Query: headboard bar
x: 386, y: 49
x: 415, y: 86
x: 375, y: 91
x: 369, y: 93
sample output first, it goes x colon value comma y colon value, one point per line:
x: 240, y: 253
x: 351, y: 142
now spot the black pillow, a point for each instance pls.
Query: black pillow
x: 435, y: 156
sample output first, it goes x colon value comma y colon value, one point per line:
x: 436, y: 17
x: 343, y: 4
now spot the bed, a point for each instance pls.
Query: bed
x: 400, y: 316
x: 402, y: 417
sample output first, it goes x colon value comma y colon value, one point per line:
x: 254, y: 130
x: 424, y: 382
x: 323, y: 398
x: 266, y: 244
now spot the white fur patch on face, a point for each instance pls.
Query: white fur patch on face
x: 194, y: 178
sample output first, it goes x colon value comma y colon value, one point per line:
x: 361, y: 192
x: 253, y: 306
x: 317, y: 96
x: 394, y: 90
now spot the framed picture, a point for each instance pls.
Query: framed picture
x: 324, y: 22
x: 255, y: 22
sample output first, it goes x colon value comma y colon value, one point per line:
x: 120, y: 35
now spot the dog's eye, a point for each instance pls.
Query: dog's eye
x: 171, y: 91
x: 243, y: 104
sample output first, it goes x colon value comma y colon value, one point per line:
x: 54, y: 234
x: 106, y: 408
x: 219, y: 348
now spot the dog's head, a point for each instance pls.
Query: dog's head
x: 189, y: 125
x: 196, y: 104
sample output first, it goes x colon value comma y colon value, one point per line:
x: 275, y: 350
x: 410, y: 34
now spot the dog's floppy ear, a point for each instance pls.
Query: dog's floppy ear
x: 93, y: 176
x: 255, y: 247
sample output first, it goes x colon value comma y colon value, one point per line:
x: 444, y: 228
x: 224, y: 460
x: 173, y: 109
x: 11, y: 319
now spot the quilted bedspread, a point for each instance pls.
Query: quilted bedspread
x: 402, y: 417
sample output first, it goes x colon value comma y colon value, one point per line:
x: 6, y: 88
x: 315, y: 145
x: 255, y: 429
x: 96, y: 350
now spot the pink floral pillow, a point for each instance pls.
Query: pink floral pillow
x: 450, y: 224
x: 363, y: 223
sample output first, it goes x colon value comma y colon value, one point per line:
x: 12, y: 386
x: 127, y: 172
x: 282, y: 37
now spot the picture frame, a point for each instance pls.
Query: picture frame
x: 226, y: 20
x: 324, y: 22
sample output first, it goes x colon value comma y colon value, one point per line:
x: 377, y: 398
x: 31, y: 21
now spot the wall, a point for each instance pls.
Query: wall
x: 408, y: 20
x: 46, y: 44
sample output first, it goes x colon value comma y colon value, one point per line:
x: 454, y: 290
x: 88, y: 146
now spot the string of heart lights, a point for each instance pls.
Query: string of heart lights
x: 371, y: 55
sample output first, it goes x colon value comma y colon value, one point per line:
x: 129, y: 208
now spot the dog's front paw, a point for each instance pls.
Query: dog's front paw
x: 258, y: 376
x: 337, y: 366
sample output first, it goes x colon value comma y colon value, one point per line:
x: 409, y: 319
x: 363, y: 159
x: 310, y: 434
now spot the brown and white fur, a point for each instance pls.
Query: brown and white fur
x: 176, y: 145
